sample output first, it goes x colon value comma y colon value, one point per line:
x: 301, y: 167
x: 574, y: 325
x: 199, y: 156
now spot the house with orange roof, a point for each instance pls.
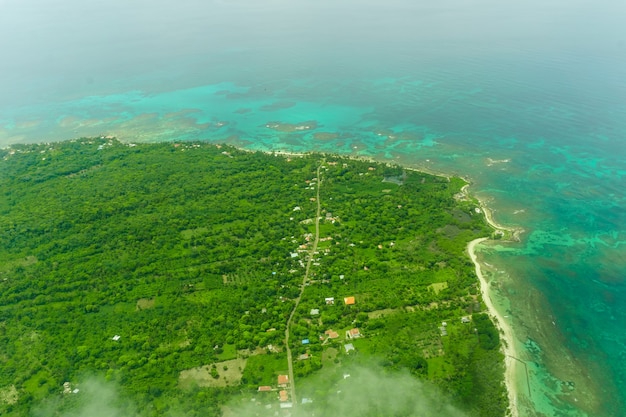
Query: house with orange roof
x: 265, y: 388
x: 349, y: 301
x: 353, y: 333
x: 283, y: 380
x: 282, y: 396
x: 331, y: 334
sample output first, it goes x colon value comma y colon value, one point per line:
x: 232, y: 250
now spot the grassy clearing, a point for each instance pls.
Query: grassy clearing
x: 9, y: 395
x: 381, y: 313
x: 192, y: 233
x: 219, y: 374
x: 145, y: 303
x: 438, y: 286
x: 438, y: 368
x: 264, y: 369
x: 228, y: 352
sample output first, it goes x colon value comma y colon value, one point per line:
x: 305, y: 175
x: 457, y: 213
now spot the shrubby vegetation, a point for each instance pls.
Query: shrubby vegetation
x: 193, y: 255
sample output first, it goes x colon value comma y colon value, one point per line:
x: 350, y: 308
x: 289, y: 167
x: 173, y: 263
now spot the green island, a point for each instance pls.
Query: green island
x: 194, y: 279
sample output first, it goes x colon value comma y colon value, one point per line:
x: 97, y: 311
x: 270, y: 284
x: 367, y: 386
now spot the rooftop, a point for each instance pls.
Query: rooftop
x: 354, y: 332
x: 282, y: 395
x: 331, y: 333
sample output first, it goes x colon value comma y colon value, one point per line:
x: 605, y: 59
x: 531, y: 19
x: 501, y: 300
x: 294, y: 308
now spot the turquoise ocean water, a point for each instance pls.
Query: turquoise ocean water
x: 527, y: 100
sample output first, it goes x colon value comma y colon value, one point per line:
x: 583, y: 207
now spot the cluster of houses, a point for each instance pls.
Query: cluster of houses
x: 331, y: 301
x: 282, y: 387
x: 330, y: 334
x: 282, y: 384
x: 444, y: 326
x: 349, y: 301
x: 67, y: 388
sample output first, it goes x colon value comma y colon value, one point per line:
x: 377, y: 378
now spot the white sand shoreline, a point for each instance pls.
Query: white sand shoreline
x: 506, y: 332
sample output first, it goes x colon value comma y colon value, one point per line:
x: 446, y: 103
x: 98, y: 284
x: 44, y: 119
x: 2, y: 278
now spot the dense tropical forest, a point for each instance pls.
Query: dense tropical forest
x: 171, y: 270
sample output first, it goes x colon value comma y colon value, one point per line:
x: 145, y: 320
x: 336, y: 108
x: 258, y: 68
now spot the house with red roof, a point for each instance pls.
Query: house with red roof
x: 331, y: 334
x: 353, y: 333
x: 283, y: 380
x: 282, y: 396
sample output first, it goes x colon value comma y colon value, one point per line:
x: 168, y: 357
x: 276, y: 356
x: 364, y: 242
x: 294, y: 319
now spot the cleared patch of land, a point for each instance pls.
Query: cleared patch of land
x: 219, y: 374
x: 145, y: 303
x: 9, y: 395
x: 438, y: 286
x: 381, y: 313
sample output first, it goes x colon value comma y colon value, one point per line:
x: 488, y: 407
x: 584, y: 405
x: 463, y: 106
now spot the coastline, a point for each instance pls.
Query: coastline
x: 509, y: 233
x: 506, y: 332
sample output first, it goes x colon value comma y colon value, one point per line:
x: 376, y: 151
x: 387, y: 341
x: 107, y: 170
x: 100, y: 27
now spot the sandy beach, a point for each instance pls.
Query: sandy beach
x: 508, y: 345
x: 506, y: 332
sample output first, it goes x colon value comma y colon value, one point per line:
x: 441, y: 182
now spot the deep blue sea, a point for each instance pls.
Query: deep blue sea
x: 526, y: 99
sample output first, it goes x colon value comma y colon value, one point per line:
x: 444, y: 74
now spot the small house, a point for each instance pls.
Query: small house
x: 283, y: 380
x: 349, y: 301
x: 353, y: 333
x: 265, y: 388
x: 282, y: 396
x: 305, y: 341
x: 315, y: 311
x: 329, y: 300
x: 349, y: 347
x: 331, y: 334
